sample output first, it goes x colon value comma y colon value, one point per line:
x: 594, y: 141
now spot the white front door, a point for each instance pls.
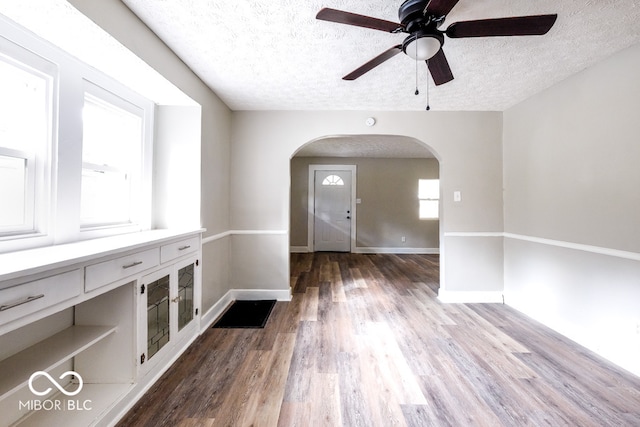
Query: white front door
x: 332, y: 214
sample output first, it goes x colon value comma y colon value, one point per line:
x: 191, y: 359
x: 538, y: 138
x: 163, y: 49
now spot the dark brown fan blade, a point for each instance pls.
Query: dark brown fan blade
x: 440, y: 7
x: 439, y: 68
x: 349, y: 18
x: 517, y: 26
x: 387, y: 54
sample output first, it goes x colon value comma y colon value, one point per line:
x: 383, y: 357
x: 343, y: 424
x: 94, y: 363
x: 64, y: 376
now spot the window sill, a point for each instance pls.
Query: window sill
x: 14, y: 266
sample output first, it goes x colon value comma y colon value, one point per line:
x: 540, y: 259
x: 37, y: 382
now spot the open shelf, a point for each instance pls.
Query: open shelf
x: 48, y: 354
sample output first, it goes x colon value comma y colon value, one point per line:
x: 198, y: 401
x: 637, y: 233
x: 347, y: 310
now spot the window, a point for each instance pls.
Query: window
x: 333, y: 180
x: 112, y: 140
x: 75, y: 148
x: 429, y: 198
x: 25, y: 134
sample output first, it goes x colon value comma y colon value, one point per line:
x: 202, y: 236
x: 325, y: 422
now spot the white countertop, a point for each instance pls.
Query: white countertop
x: 33, y: 261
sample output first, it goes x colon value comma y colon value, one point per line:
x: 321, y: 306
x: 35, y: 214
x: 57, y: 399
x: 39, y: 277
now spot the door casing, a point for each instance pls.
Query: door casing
x: 312, y: 201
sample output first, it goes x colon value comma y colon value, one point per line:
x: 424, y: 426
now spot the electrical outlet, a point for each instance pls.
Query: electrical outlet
x: 403, y: 239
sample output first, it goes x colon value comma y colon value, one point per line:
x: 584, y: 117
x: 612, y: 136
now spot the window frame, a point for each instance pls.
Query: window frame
x: 59, y: 167
x: 39, y: 161
x: 100, y: 95
x: 422, y: 199
x: 332, y: 181
x: 29, y: 225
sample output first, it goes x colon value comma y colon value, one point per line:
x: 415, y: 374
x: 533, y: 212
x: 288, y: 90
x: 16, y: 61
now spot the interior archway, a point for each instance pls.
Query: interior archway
x: 389, y: 170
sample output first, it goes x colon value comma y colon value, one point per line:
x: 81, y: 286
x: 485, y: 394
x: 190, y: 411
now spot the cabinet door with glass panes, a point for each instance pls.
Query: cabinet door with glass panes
x: 167, y: 311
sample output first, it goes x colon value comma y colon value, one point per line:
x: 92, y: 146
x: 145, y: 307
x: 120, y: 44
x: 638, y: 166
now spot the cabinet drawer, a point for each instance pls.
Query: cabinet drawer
x: 106, y: 272
x: 177, y: 249
x: 27, y: 298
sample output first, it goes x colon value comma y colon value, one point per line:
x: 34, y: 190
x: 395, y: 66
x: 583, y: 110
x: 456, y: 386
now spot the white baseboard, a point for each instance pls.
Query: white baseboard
x: 372, y: 250
x: 470, y: 297
x: 368, y: 250
x: 299, y: 249
x: 250, y: 294
x: 214, y: 312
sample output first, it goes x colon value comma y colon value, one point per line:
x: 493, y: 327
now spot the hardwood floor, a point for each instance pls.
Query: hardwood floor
x: 365, y: 342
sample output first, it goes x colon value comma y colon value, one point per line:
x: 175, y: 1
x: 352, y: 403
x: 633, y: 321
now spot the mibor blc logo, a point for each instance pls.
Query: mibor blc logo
x: 55, y: 404
x: 62, y: 390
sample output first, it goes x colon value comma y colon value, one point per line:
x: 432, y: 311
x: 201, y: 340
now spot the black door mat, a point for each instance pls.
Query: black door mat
x: 246, y: 314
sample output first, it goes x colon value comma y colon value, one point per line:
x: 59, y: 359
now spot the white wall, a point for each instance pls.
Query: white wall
x: 467, y: 144
x: 176, y: 171
x: 572, y: 207
x: 122, y: 24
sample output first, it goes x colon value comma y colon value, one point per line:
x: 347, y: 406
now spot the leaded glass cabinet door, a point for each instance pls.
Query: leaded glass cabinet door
x: 168, y: 310
x: 183, y: 302
x: 155, y: 316
x: 186, y: 286
x: 158, y: 319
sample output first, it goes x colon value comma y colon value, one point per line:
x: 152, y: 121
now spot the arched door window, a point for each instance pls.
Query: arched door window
x: 333, y: 180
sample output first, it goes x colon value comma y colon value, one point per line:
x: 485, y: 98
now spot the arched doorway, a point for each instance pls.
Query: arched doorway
x: 386, y: 206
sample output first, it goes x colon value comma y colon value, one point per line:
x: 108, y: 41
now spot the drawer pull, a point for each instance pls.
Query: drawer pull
x: 182, y: 248
x: 17, y: 303
x: 133, y: 264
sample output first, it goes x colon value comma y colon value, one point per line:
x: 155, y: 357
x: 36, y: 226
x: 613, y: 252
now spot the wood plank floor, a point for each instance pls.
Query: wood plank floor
x: 365, y: 342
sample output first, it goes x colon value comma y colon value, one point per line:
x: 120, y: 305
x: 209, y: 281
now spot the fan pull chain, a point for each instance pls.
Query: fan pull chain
x: 417, y: 91
x: 428, y: 107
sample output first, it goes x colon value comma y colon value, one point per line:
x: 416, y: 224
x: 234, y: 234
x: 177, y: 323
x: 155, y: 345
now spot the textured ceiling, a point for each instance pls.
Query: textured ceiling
x: 379, y: 146
x: 65, y: 27
x: 274, y: 54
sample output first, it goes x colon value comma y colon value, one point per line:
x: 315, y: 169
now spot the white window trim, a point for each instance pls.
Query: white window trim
x: 30, y: 201
x: 136, y: 106
x: 17, y: 49
x: 59, y: 219
x: 105, y: 89
x: 429, y: 199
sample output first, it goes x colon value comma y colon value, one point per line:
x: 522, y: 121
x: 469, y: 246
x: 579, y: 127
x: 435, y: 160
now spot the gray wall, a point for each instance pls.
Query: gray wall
x: 468, y: 146
x: 572, y: 207
x: 388, y: 189
x: 246, y: 178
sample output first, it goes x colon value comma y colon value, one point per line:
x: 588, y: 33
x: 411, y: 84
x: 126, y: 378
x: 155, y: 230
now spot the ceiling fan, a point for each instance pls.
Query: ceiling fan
x: 421, y: 19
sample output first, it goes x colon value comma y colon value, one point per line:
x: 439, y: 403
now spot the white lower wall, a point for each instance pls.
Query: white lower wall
x: 260, y: 260
x: 472, y: 263
x: 571, y: 204
x: 590, y: 297
x: 215, y: 270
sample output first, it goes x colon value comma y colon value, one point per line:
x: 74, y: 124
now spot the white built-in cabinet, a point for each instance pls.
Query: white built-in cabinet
x: 116, y: 311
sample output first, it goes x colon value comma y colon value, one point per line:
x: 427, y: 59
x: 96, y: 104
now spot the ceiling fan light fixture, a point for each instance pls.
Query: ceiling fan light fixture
x: 422, y: 46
